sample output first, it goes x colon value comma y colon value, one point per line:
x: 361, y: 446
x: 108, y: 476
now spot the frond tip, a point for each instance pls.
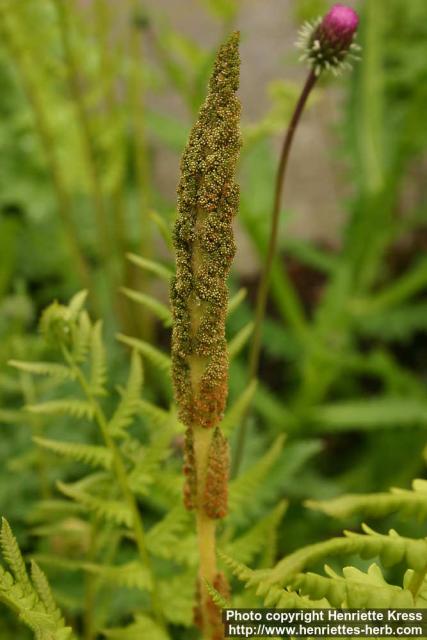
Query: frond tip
x: 31, y: 599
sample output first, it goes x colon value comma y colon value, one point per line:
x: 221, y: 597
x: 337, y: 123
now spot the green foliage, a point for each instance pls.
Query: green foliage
x: 31, y: 598
x: 343, y: 360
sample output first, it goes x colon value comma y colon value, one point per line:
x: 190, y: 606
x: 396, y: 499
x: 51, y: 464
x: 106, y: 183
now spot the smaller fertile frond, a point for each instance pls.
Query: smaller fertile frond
x: 114, y: 511
x: 129, y: 403
x: 69, y: 407
x: 98, y: 361
x: 153, y: 355
x: 238, y: 409
x: 240, y: 340
x: 215, y: 494
x: 56, y: 371
x: 159, y: 309
x: 412, y: 503
x: 96, y: 456
x: 156, y: 268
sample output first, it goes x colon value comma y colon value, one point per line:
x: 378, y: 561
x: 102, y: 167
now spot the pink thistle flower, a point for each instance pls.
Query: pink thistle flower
x: 329, y: 42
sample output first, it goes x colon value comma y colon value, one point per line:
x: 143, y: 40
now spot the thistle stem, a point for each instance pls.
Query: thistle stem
x: 263, y: 288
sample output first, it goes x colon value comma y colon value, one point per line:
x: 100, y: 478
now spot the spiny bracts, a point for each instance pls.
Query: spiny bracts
x: 328, y: 43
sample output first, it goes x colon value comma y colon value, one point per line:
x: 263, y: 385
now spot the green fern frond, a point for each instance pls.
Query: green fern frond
x: 289, y: 599
x: 129, y: 403
x: 77, y: 302
x: 148, y: 461
x: 239, y: 341
x: 162, y: 537
x: 33, y: 602
x: 82, y: 337
x: 375, y: 413
x: 8, y: 416
x: 217, y: 598
x: 235, y: 413
x: 164, y: 227
x: 156, y: 268
x: 245, y: 486
x: 153, y: 355
x: 354, y: 589
x: 57, y: 371
x: 248, y: 545
x: 238, y: 569
x: 43, y: 589
x: 158, y: 308
x: 156, y: 416
x: 96, y: 456
x: 377, y: 504
x: 13, y: 557
x: 98, y: 361
x: 179, y: 591
x: 236, y: 300
x: 391, y: 549
x: 69, y: 407
x: 114, y: 511
x: 143, y: 627
x: 132, y: 575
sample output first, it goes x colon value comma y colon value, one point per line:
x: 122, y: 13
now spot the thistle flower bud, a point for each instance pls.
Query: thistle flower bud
x: 328, y: 42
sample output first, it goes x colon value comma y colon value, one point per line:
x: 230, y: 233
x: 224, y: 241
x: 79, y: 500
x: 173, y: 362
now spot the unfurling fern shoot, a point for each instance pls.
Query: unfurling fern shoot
x: 203, y: 238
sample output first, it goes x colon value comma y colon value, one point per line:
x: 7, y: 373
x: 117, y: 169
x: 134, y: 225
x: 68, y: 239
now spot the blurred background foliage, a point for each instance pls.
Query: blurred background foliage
x: 343, y: 371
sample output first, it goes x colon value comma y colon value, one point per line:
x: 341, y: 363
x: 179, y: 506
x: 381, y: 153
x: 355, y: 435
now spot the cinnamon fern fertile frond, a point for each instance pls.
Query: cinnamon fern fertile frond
x: 208, y: 198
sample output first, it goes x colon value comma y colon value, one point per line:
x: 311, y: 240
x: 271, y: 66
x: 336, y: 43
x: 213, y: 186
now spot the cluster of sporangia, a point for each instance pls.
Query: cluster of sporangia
x: 208, y: 199
x: 203, y: 236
